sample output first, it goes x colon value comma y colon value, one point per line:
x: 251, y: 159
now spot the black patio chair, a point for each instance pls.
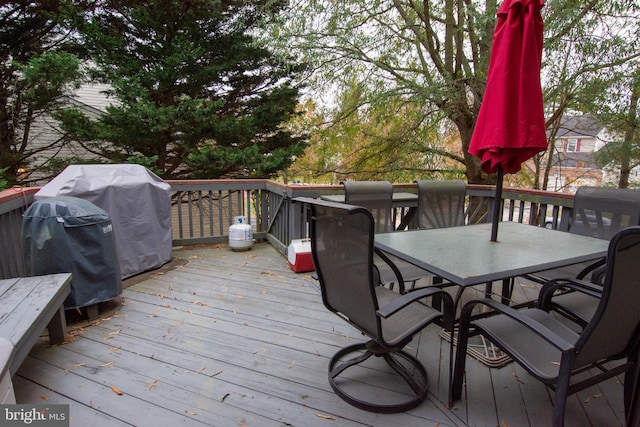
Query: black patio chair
x: 554, y: 353
x: 441, y: 203
x: 342, y: 249
x: 377, y: 197
x: 597, y: 212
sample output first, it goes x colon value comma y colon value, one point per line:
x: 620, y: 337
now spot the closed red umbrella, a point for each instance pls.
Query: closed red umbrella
x: 510, y: 128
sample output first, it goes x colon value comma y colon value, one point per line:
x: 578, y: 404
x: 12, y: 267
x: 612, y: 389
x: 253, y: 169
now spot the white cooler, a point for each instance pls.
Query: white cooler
x: 299, y: 256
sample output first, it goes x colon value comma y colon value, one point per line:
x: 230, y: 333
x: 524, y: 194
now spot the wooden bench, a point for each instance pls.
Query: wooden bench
x: 27, y: 306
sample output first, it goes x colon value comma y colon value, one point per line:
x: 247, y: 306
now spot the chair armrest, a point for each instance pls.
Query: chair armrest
x: 416, y: 294
x: 538, y: 328
x: 595, y: 267
x: 394, y: 268
x: 548, y: 290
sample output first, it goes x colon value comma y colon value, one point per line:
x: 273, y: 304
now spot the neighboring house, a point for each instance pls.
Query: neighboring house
x: 46, y: 135
x: 577, y: 139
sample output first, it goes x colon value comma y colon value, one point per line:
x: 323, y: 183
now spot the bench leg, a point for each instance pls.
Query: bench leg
x: 58, y: 327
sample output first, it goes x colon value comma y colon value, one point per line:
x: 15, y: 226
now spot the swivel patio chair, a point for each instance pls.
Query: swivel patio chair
x: 377, y: 197
x: 342, y: 238
x: 441, y: 203
x: 554, y: 353
x: 597, y: 212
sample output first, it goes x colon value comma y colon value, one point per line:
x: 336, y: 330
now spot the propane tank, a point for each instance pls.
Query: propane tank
x: 240, y: 234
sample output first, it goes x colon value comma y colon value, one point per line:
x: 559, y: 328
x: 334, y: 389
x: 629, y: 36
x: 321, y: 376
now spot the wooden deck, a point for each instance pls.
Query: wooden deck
x: 238, y: 339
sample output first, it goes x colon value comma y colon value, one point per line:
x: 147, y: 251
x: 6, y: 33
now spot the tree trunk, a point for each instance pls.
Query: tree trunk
x: 632, y: 120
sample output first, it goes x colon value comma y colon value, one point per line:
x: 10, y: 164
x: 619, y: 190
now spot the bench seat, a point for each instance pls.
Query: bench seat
x: 28, y: 305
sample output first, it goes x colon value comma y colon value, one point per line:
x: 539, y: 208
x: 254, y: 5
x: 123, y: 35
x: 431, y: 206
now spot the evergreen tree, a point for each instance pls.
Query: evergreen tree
x: 196, y: 93
x: 35, y: 70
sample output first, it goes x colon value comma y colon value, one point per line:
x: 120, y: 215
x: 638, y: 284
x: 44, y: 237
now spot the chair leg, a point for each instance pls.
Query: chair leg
x: 334, y: 372
x: 406, y: 375
x: 415, y: 377
x: 560, y: 401
x: 455, y: 388
x: 632, y: 386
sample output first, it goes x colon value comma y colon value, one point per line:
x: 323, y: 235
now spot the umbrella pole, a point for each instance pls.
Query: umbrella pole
x: 497, y: 203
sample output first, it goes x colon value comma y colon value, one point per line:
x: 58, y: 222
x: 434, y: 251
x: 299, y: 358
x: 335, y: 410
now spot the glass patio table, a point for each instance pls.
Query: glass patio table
x: 465, y: 256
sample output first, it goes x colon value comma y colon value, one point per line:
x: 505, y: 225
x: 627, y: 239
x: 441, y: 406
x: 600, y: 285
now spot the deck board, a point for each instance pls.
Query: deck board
x: 236, y: 338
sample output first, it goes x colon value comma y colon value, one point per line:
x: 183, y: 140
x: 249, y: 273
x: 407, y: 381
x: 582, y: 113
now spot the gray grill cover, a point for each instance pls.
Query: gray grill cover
x: 71, y: 235
x: 138, y: 202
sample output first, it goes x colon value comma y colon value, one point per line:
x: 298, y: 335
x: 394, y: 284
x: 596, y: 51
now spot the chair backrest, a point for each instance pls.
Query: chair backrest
x: 376, y: 196
x: 602, y: 212
x: 614, y: 326
x: 441, y: 203
x: 342, y: 249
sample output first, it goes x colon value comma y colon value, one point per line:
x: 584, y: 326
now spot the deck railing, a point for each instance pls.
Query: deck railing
x: 203, y: 210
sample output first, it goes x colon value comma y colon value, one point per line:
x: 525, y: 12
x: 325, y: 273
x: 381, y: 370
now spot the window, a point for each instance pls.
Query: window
x: 572, y: 145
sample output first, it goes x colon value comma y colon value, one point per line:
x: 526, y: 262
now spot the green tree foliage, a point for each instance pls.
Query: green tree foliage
x: 390, y: 139
x: 436, y: 53
x: 35, y: 70
x: 195, y: 89
x: 588, y: 68
x: 622, y: 153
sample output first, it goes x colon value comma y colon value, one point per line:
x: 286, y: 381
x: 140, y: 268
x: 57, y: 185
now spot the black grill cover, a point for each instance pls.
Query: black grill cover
x: 70, y: 235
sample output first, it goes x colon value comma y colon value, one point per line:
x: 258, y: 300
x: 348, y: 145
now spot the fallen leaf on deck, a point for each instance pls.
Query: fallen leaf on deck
x: 79, y: 364
x: 43, y: 397
x: 504, y: 423
x: 191, y: 412
x: 114, y: 332
x: 292, y: 364
x: 116, y: 391
x: 224, y: 397
x: 201, y: 369
x: 217, y: 373
x: 107, y: 364
x: 114, y: 349
x: 595, y: 396
x: 324, y: 417
x: 152, y: 385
